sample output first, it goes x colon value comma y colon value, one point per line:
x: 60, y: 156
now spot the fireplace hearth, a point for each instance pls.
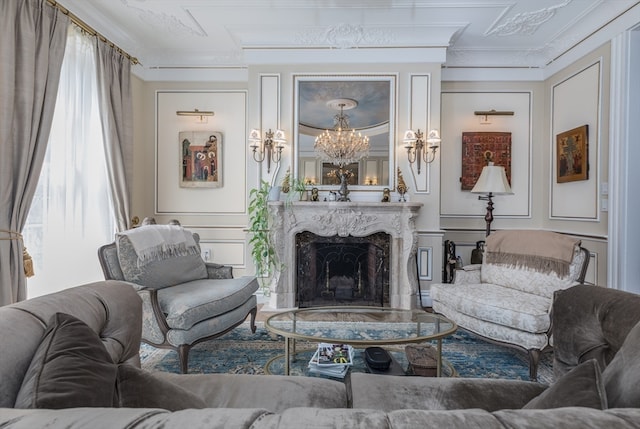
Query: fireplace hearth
x: 342, y: 270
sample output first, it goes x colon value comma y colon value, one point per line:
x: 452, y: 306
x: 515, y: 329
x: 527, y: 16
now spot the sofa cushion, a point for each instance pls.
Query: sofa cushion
x: 160, y: 273
x: 137, y: 388
x: 496, y: 304
x: 622, y: 375
x: 70, y: 368
x: 583, y: 386
x: 388, y: 393
x: 194, y: 301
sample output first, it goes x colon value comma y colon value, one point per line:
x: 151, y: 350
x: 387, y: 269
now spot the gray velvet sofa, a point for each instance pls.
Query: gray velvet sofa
x: 73, y: 355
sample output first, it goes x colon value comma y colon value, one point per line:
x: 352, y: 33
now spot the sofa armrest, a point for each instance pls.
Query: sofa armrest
x: 218, y: 271
x: 387, y: 393
x: 469, y: 274
x: 590, y: 322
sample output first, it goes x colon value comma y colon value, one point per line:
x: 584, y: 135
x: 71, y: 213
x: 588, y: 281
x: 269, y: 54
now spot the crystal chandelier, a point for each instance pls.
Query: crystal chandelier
x: 341, y: 146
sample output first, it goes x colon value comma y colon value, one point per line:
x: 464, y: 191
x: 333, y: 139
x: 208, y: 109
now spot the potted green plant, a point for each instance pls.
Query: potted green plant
x: 298, y: 189
x: 263, y: 252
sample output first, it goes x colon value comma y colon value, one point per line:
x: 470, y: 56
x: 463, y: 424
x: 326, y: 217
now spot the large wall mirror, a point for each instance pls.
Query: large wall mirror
x: 367, y: 103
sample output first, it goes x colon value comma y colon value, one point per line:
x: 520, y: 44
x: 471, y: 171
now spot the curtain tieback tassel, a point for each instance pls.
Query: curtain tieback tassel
x: 28, y: 263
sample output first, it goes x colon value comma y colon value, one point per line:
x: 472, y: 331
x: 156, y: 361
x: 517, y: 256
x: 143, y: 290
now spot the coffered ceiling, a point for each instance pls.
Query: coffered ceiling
x: 457, y: 33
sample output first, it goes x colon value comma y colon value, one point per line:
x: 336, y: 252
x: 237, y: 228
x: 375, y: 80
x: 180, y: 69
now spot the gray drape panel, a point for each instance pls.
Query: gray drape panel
x: 32, y: 43
x: 116, y: 113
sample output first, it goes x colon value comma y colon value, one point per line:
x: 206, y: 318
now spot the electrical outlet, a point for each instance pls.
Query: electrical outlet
x: 206, y: 254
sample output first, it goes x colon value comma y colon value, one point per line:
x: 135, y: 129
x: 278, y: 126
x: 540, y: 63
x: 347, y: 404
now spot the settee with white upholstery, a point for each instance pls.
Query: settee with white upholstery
x: 507, y: 299
x: 70, y: 360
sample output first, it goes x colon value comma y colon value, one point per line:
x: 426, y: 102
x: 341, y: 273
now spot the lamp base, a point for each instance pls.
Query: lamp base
x: 488, y: 217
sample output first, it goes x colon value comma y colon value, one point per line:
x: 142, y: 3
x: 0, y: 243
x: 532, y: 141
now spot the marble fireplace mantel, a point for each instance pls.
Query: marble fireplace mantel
x: 358, y: 219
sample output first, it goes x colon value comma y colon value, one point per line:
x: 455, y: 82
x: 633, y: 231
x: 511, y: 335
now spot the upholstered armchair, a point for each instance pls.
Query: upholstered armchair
x: 508, y: 298
x: 185, y: 300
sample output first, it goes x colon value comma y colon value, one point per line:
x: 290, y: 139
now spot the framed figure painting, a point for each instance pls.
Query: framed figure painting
x: 201, y: 159
x: 572, y: 155
x: 478, y: 149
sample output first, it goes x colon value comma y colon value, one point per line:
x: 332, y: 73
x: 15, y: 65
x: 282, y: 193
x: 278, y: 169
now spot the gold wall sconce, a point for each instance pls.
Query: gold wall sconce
x: 415, y: 144
x: 486, y: 113
x: 270, y: 148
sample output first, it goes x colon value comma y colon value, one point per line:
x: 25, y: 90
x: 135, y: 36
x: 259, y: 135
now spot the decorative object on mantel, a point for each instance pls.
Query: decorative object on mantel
x: 296, y: 189
x: 386, y: 195
x: 201, y: 159
x: 269, y: 149
x: 342, y: 146
x: 314, y: 194
x: 402, y: 186
x: 492, y: 181
x: 415, y: 145
x: 286, y: 182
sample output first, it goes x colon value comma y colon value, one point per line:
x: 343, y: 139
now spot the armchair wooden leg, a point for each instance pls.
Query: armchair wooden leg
x: 534, y: 359
x: 183, y: 356
x: 254, y: 312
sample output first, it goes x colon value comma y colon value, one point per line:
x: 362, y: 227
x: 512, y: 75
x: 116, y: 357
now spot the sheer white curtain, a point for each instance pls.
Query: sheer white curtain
x: 72, y: 214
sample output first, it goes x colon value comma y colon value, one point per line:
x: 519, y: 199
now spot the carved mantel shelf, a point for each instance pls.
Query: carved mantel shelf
x: 358, y: 219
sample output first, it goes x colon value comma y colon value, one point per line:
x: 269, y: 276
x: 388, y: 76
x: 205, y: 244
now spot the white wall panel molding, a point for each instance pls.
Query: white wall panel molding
x: 270, y: 120
x: 458, y: 109
x: 225, y: 252
x: 576, y: 101
x: 230, y: 107
x: 420, y: 118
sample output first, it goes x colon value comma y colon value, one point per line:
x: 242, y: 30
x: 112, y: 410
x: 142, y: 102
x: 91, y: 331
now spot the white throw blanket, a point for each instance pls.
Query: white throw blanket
x: 542, y: 251
x: 157, y: 242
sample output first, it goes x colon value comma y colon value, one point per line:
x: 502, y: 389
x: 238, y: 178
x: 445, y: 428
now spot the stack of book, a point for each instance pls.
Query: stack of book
x: 332, y: 360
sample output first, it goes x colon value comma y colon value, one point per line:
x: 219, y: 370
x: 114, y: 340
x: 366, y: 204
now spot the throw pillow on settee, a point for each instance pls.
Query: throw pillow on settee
x: 72, y: 368
x: 583, y: 386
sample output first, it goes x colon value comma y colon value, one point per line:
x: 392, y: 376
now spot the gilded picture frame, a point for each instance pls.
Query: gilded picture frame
x: 572, y: 155
x: 200, y: 159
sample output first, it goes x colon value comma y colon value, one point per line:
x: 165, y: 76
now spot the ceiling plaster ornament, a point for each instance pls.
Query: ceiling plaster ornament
x: 167, y: 22
x: 345, y: 36
x: 526, y: 23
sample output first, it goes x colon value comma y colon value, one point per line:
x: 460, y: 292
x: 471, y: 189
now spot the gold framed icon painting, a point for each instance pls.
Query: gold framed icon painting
x: 478, y: 149
x: 572, y: 155
x: 201, y: 159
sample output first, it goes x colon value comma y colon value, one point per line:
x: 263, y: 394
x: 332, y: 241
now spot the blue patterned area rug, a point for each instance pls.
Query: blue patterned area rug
x: 242, y: 352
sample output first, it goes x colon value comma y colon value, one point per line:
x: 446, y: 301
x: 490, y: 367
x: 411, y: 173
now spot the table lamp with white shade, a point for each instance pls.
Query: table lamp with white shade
x: 492, y: 181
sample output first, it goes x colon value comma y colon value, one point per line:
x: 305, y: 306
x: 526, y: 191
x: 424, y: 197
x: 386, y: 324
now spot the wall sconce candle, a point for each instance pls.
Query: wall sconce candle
x: 270, y: 148
x: 415, y: 145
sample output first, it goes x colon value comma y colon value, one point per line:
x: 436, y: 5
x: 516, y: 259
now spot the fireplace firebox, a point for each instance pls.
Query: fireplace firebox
x: 342, y: 270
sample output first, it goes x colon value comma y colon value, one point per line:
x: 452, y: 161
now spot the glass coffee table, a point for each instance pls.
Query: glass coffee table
x: 359, y: 327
